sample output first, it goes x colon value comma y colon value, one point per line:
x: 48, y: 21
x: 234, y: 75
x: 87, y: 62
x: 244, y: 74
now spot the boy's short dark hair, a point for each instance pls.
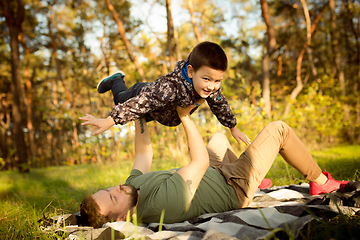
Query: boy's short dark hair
x: 90, y: 213
x: 208, y: 54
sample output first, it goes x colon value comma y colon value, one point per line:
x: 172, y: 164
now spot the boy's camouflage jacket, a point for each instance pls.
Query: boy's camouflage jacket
x: 160, y: 98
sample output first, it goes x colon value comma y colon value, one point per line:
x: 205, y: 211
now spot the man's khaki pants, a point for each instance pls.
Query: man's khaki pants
x: 246, y: 172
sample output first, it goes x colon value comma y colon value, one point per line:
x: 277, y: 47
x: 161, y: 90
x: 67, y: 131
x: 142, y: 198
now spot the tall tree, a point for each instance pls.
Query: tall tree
x: 4, y: 125
x: 172, y: 40
x: 127, y: 43
x: 269, y: 50
x: 337, y: 56
x: 308, y: 39
x: 190, y: 7
x: 14, y: 12
x: 310, y: 28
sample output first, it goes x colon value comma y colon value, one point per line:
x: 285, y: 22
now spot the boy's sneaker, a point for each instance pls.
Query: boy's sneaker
x: 265, y: 183
x: 331, y: 185
x: 105, y: 84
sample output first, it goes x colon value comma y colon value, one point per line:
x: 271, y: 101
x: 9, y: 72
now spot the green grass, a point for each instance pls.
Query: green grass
x: 342, y: 162
x: 24, y: 198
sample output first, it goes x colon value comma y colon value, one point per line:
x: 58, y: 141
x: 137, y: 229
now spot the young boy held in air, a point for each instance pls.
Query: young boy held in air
x: 194, y: 80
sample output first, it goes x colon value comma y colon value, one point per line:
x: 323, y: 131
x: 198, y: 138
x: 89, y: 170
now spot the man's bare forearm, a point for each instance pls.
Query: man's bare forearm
x: 143, y: 147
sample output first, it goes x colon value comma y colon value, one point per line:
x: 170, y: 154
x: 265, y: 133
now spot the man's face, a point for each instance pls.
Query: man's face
x: 116, y: 201
x: 205, y: 80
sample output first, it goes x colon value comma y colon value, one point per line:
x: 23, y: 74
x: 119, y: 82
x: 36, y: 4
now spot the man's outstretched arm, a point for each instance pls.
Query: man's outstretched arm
x: 195, y: 170
x: 143, y: 147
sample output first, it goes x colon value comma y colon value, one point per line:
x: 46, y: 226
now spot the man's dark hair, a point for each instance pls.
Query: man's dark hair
x: 208, y: 54
x: 90, y: 213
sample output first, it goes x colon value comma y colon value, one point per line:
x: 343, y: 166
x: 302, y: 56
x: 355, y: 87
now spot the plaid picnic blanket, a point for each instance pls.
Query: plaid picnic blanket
x: 283, y: 208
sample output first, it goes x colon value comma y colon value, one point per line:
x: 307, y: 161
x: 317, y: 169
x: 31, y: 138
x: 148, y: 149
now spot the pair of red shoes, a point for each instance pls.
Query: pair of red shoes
x: 330, y: 185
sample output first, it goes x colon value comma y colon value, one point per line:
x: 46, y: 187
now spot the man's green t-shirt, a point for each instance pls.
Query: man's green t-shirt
x: 167, y: 190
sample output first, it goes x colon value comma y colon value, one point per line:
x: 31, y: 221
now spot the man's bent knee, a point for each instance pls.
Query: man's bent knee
x: 278, y: 124
x: 218, y: 137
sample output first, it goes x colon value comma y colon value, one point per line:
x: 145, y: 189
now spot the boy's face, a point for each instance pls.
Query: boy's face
x: 205, y: 80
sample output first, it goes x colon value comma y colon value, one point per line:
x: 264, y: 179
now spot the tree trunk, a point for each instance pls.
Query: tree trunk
x: 299, y: 84
x: 308, y: 40
x: 337, y: 56
x: 193, y: 22
x: 127, y: 43
x: 266, y: 84
x: 29, y: 100
x: 14, y: 21
x: 351, y: 14
x: 4, y: 125
x: 57, y: 63
x: 269, y: 50
x: 170, y: 35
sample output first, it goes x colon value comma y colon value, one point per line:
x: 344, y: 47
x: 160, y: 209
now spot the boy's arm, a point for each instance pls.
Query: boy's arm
x: 221, y: 109
x: 240, y: 136
x: 101, y: 123
x: 143, y: 147
x: 195, y: 170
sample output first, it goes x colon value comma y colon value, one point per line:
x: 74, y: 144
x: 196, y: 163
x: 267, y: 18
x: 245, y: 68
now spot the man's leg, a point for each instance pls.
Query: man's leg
x: 278, y: 137
x: 246, y: 173
x: 295, y: 154
x: 220, y: 150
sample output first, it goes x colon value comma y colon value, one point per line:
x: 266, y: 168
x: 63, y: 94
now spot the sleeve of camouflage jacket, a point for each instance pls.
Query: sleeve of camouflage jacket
x: 220, y: 107
x: 161, y: 93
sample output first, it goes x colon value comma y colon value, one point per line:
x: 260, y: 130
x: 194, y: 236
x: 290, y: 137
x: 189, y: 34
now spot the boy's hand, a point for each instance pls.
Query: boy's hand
x: 240, y: 136
x: 101, y: 123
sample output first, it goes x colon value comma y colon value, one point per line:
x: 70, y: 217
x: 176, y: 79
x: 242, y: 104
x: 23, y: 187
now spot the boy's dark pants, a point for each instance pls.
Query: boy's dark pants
x: 121, y: 93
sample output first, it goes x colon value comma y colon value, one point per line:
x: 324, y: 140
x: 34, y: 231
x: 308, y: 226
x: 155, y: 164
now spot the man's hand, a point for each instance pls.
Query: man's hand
x: 101, y: 123
x: 183, y: 112
x: 240, y: 136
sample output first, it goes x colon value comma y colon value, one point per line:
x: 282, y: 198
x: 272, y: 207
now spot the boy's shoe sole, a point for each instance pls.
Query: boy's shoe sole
x: 104, y: 84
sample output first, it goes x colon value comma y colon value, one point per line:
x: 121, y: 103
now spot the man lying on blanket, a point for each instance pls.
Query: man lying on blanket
x: 215, y: 180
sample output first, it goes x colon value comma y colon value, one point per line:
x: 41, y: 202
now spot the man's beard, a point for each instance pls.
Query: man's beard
x: 133, y: 193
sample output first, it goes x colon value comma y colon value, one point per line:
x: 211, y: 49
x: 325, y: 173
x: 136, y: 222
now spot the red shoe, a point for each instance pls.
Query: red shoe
x: 330, y: 185
x: 265, y: 183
